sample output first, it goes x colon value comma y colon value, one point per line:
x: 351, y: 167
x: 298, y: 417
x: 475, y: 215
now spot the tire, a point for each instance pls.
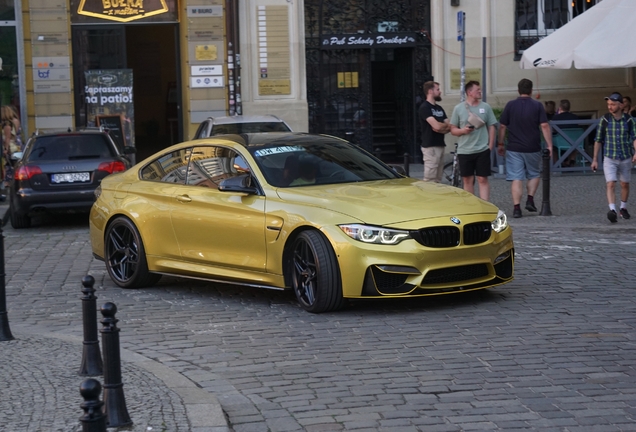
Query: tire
x: 315, y: 273
x: 447, y: 176
x: 125, y: 255
x: 19, y: 221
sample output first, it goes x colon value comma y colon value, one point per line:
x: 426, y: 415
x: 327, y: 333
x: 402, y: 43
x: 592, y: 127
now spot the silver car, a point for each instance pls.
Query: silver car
x: 240, y: 124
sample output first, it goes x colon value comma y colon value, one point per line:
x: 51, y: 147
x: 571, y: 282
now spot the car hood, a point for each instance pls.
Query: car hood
x: 389, y: 202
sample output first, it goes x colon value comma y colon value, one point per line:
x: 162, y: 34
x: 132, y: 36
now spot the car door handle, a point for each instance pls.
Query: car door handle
x: 184, y: 198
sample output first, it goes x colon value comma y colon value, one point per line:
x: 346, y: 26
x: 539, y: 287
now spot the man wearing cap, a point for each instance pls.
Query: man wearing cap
x: 616, y: 133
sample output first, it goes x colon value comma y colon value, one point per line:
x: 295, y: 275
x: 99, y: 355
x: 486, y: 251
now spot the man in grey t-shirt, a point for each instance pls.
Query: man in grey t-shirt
x: 474, y: 123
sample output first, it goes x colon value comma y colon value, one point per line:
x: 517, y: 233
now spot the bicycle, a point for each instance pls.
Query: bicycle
x: 451, y: 171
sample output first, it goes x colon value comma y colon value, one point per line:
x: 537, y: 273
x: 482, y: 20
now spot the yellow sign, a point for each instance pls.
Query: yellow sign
x: 270, y: 87
x: 347, y: 79
x: 456, y: 77
x: 205, y: 52
x: 122, y: 10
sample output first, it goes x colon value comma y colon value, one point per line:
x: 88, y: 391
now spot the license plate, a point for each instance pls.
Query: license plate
x: 70, y: 177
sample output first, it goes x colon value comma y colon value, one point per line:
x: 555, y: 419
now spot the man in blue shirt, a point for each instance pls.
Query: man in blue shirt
x: 616, y: 133
x: 523, y: 119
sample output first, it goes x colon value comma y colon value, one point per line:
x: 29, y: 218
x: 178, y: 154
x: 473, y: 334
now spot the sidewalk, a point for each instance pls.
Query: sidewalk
x: 41, y: 389
x: 40, y: 385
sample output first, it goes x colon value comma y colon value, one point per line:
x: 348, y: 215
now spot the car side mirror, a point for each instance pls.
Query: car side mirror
x: 398, y: 169
x: 16, y: 156
x: 238, y: 184
x: 130, y: 150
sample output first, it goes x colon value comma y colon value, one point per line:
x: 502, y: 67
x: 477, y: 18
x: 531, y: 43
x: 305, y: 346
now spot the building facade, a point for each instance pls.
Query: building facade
x: 355, y: 69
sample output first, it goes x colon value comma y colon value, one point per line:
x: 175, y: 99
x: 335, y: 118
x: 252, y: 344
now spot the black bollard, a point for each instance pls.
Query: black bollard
x: 545, y: 178
x: 91, y: 357
x: 93, y: 419
x: 407, y: 163
x: 114, y: 400
x: 5, y: 331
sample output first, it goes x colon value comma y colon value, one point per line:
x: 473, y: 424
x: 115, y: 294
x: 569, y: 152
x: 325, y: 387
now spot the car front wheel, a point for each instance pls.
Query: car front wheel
x: 125, y: 256
x: 316, y: 275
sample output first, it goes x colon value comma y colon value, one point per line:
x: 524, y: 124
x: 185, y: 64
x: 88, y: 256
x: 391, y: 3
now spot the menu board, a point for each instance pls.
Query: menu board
x: 115, y: 127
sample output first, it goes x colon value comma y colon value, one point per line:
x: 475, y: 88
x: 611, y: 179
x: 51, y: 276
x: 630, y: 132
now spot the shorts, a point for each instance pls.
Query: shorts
x: 475, y: 164
x: 433, y: 163
x: 615, y: 169
x: 523, y: 166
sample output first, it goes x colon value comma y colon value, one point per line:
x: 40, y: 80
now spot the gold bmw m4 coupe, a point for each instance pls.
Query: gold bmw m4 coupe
x: 310, y: 213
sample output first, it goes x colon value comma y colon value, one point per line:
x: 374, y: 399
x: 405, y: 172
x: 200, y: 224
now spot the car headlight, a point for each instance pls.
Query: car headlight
x: 373, y: 234
x: 501, y: 223
x: 98, y: 191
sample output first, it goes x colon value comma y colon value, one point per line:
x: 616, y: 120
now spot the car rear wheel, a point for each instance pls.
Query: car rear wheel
x: 125, y: 256
x: 19, y: 220
x: 316, y: 276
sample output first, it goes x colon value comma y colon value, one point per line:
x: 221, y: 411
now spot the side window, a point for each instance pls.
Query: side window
x: 170, y: 167
x: 209, y: 165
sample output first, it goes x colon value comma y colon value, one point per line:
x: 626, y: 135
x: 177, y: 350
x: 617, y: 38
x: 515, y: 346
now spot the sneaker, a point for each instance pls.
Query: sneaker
x: 611, y: 215
x: 624, y: 213
x: 517, y: 213
x: 530, y: 206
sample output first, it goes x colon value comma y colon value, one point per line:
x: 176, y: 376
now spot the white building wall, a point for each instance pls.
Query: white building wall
x: 494, y: 19
x: 291, y: 107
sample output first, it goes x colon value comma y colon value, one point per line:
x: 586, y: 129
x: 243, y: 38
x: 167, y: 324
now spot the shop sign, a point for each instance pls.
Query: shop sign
x: 367, y: 41
x: 122, y: 10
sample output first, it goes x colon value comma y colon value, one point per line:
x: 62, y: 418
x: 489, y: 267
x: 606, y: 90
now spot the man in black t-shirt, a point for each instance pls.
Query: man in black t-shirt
x: 434, y: 124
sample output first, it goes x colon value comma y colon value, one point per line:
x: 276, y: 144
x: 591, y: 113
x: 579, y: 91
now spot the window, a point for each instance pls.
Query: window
x: 209, y: 165
x: 169, y: 168
x: 535, y: 19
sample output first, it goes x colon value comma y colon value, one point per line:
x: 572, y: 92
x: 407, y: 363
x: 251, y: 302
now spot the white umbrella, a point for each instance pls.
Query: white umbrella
x: 596, y: 39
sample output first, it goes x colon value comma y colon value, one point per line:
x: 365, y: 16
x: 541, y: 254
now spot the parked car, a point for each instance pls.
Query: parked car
x: 240, y: 124
x: 312, y: 213
x: 59, y: 171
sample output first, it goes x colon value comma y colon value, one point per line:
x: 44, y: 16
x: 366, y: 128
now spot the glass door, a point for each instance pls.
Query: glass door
x: 99, y: 47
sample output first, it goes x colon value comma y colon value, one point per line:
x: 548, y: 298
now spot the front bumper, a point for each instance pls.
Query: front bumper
x: 410, y: 269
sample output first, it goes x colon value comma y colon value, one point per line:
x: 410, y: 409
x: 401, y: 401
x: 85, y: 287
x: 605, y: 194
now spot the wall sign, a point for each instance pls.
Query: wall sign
x: 274, y: 47
x: 367, y: 40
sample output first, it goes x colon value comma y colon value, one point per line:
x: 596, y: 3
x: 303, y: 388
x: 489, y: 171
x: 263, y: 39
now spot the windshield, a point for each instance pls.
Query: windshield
x: 321, y: 160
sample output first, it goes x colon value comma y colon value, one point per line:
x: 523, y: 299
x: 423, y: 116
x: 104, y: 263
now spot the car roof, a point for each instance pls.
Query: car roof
x: 53, y: 132
x: 257, y: 139
x: 245, y: 119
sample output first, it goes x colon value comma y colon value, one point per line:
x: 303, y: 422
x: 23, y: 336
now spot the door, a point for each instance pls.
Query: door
x: 218, y: 228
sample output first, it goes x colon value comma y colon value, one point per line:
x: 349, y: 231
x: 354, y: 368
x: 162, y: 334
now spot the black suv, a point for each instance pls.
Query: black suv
x: 59, y: 172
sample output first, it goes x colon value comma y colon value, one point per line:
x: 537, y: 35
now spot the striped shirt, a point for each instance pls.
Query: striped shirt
x: 617, y: 136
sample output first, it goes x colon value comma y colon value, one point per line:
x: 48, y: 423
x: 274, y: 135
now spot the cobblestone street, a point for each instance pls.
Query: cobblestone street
x: 554, y: 350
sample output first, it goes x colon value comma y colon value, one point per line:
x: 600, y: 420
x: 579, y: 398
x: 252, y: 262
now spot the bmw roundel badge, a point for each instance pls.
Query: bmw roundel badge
x: 455, y: 220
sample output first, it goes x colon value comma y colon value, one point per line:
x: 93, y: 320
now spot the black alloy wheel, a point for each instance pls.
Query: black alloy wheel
x: 125, y: 256
x: 316, y: 275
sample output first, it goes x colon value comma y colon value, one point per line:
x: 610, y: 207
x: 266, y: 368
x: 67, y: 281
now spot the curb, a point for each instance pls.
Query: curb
x: 203, y: 409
